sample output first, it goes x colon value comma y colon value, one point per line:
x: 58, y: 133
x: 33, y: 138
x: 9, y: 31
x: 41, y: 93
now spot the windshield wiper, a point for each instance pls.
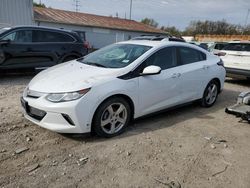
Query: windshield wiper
x: 95, y: 64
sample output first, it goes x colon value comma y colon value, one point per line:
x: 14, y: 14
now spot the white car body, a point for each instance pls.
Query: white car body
x: 237, y: 63
x: 173, y: 86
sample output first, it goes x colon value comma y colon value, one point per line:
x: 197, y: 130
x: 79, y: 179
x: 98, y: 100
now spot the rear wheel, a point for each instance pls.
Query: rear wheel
x: 111, y: 117
x: 69, y: 58
x: 210, y: 94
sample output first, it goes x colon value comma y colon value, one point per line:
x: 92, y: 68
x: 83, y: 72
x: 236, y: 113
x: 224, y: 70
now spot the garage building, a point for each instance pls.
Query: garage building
x: 99, y: 31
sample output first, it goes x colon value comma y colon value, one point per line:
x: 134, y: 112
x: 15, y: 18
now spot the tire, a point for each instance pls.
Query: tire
x: 210, y: 94
x: 107, y: 121
x: 69, y: 58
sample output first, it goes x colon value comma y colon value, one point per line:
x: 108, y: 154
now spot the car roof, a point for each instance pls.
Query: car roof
x: 240, y: 42
x: 161, y: 43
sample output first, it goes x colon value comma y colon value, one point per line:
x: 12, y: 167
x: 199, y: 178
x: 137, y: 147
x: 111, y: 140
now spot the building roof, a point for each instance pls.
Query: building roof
x: 90, y: 20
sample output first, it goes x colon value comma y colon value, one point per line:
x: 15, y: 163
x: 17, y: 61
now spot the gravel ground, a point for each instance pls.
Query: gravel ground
x: 190, y: 146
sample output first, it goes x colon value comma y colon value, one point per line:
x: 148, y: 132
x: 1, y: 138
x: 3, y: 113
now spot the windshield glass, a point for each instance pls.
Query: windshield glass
x: 3, y: 30
x: 115, y: 56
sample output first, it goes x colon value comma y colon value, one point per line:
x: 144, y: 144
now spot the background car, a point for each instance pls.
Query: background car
x: 236, y: 57
x: 38, y: 47
x: 103, y: 91
x: 159, y: 38
x: 215, y: 47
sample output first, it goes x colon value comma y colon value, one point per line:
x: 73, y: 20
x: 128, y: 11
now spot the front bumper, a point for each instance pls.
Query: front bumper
x: 65, y: 117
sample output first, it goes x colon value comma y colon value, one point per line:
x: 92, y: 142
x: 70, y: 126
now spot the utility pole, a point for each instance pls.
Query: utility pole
x: 130, y: 10
x: 248, y: 11
x: 76, y: 5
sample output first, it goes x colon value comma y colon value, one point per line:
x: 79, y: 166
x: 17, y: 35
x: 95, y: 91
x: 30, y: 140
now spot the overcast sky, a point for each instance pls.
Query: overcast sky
x: 166, y: 12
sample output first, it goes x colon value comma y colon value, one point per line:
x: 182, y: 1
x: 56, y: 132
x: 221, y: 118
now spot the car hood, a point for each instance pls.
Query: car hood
x: 71, y: 76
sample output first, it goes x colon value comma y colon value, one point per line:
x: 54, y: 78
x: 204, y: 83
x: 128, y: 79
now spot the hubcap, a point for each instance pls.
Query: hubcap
x: 211, y: 94
x: 113, y: 118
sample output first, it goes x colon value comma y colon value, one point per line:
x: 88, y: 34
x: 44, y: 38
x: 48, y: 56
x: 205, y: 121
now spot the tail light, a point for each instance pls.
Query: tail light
x: 220, y: 63
x: 86, y: 44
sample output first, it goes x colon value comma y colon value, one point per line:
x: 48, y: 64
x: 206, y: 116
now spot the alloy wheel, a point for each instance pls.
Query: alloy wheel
x: 212, y: 93
x: 114, y: 118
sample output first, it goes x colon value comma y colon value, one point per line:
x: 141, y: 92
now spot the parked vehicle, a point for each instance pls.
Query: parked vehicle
x: 242, y: 107
x: 38, y: 47
x: 103, y: 91
x: 4, y: 29
x: 159, y: 38
x: 215, y: 47
x: 82, y: 35
x: 236, y: 56
x: 203, y: 45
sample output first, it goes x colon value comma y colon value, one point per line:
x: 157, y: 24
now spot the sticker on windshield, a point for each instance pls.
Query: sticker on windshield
x: 125, y: 61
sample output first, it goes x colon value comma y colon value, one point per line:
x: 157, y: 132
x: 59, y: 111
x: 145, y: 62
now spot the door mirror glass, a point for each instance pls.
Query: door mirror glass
x: 151, y: 70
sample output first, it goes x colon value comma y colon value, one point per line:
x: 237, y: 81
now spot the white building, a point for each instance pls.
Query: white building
x: 99, y: 30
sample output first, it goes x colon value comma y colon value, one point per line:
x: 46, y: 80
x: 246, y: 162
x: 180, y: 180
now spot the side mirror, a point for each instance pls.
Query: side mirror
x: 151, y: 70
x: 4, y: 41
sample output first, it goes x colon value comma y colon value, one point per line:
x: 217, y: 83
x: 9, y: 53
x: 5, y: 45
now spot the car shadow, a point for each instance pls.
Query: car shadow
x: 167, y: 118
x: 16, y: 77
x: 242, y: 82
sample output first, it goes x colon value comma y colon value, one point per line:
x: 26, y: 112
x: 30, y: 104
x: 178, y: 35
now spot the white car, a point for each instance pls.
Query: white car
x: 103, y: 91
x: 236, y: 57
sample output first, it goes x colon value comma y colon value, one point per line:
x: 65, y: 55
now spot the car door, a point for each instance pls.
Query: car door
x: 194, y: 72
x: 15, y: 53
x: 50, y: 47
x: 160, y: 91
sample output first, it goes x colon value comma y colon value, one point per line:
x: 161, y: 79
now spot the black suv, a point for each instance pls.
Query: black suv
x: 38, y: 47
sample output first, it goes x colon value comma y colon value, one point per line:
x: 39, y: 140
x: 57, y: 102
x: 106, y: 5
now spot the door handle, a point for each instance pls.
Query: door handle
x: 205, y: 66
x: 176, y: 75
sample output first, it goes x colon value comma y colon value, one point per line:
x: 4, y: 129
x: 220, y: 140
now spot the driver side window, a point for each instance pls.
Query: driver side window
x: 10, y: 37
x: 21, y: 36
x: 164, y: 58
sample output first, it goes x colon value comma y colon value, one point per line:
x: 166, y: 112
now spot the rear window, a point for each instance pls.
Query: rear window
x: 190, y: 55
x: 49, y: 36
x: 237, y: 47
x: 219, y: 46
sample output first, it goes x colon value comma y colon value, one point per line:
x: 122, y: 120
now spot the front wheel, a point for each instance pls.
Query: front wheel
x: 210, y: 94
x: 111, y: 117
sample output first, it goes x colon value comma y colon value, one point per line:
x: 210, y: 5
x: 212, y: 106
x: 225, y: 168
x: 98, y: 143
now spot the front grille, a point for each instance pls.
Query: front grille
x: 36, y: 113
x: 33, y: 112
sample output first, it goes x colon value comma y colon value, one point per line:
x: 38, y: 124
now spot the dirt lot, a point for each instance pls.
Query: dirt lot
x: 172, y: 146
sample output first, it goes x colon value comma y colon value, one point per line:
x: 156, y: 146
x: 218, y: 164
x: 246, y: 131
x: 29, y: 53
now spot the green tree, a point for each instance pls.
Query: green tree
x: 150, y: 21
x: 172, y: 31
x: 39, y: 5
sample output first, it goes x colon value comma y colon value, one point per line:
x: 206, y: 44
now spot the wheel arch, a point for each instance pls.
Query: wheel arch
x: 76, y: 55
x: 218, y: 81
x: 124, y: 96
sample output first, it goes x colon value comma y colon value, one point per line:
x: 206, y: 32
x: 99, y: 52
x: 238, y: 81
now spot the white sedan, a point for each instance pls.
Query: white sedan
x: 104, y: 90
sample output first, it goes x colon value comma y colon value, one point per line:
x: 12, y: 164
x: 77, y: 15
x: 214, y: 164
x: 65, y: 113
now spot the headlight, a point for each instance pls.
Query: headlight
x: 64, y: 97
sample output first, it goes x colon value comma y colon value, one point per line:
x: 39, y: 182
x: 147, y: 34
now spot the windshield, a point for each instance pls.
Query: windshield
x: 115, y: 56
x: 3, y: 30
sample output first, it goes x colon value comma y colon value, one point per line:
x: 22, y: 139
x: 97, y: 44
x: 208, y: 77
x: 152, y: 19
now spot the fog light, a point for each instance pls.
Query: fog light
x: 68, y: 119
